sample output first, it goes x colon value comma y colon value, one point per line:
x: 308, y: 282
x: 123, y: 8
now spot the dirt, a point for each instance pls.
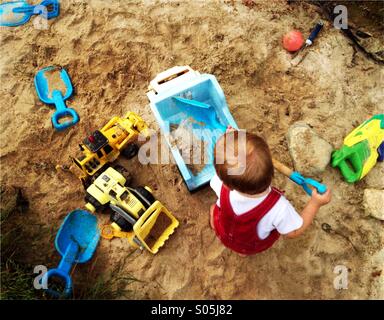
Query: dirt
x: 11, y: 200
x: 162, y: 223
x: 111, y: 53
x: 365, y: 25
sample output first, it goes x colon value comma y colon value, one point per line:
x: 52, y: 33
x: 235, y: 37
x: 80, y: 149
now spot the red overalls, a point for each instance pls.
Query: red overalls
x: 239, y: 233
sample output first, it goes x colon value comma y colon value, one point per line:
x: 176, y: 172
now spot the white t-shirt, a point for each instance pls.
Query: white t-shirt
x: 282, y: 216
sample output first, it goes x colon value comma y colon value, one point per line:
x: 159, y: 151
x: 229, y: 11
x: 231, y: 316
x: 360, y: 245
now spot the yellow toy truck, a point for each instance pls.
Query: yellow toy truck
x: 136, y: 214
x: 104, y: 146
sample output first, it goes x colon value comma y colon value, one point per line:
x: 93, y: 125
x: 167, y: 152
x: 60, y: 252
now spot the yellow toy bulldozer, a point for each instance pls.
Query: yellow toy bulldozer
x: 104, y: 146
x: 136, y: 214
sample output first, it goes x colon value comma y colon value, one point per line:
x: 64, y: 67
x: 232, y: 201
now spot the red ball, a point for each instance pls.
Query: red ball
x: 293, y: 40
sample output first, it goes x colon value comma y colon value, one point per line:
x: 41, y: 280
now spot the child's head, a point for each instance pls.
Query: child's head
x: 243, y: 162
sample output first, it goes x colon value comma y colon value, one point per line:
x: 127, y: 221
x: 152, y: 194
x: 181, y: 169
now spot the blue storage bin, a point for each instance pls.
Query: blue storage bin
x: 186, y: 83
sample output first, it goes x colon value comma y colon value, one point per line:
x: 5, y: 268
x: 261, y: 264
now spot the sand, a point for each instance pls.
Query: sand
x: 162, y: 223
x: 111, y: 53
x: 193, y: 150
x: 54, y: 82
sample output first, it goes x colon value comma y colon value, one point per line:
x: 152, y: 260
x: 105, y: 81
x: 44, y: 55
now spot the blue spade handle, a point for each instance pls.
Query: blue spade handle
x: 314, y: 33
x: 62, y: 272
x: 307, y: 182
x: 61, y: 112
x: 31, y: 10
x: 67, y: 292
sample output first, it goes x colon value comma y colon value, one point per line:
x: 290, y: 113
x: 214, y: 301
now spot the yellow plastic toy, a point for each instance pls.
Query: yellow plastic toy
x: 136, y: 215
x: 362, y: 148
x: 104, y: 146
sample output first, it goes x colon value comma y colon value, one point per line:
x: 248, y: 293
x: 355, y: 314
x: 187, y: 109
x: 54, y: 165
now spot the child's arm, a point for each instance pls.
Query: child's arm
x: 317, y: 200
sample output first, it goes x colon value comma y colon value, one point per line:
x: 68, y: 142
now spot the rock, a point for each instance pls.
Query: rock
x: 373, y: 203
x: 11, y: 200
x: 375, y: 178
x: 310, y: 153
x: 8, y: 201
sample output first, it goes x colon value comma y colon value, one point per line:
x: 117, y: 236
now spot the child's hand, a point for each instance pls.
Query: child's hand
x: 321, y: 199
x: 229, y: 128
x: 310, y: 210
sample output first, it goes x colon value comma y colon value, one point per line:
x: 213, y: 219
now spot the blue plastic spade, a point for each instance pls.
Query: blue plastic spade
x: 76, y: 242
x: 54, y: 96
x: 16, y: 13
x: 201, y: 112
x: 307, y: 183
x: 9, y: 18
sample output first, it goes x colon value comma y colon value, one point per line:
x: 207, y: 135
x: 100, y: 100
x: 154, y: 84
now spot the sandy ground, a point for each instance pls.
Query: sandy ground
x: 111, y: 52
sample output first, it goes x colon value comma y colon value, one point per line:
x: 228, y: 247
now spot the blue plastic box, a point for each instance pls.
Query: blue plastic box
x: 186, y: 83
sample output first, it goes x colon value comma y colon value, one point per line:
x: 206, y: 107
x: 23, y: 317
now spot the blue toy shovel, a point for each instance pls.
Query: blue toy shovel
x: 50, y: 83
x: 201, y: 112
x: 16, y: 13
x: 306, y: 183
x: 76, y: 242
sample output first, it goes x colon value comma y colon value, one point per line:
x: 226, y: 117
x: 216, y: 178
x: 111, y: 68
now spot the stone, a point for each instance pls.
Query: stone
x: 11, y: 200
x: 310, y: 153
x: 375, y: 178
x: 374, y: 203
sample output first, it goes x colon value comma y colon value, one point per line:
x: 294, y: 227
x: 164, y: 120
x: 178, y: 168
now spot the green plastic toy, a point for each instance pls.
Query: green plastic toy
x: 362, y: 148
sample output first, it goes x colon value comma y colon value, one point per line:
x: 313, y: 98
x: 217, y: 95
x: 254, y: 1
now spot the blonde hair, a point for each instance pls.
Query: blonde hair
x: 256, y: 164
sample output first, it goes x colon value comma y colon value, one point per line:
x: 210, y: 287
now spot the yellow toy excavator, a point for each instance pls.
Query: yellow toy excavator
x: 136, y: 214
x: 104, y: 146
